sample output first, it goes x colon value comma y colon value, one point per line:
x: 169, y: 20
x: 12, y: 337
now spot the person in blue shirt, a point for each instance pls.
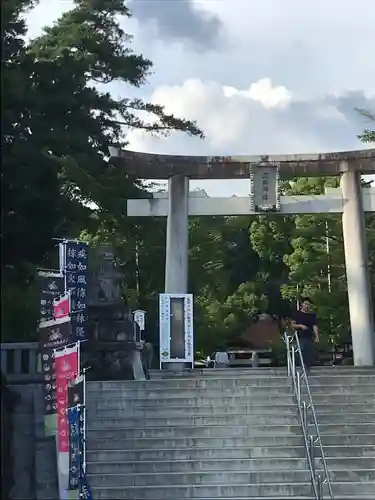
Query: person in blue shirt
x: 305, y: 323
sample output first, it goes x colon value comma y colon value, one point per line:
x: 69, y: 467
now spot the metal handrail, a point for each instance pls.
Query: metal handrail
x: 317, y: 481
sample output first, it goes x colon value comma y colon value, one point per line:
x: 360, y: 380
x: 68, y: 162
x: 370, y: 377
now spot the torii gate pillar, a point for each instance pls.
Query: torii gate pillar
x: 177, y: 245
x: 359, y: 289
x: 177, y: 249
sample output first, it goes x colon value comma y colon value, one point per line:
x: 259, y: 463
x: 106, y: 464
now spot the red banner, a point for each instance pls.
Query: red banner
x: 66, y: 367
x: 61, y: 306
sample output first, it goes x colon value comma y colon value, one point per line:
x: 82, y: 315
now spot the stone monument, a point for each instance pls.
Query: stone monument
x: 111, y: 326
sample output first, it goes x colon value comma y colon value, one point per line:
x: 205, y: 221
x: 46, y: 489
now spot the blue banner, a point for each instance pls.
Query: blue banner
x: 75, y: 447
x: 77, y: 475
x: 85, y: 490
x: 74, y: 264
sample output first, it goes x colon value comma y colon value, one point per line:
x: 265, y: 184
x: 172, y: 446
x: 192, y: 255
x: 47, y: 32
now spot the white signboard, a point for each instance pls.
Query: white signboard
x: 264, y: 187
x: 165, y: 324
x: 140, y: 317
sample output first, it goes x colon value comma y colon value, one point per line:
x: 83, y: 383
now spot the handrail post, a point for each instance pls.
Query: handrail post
x: 293, y: 361
x: 312, y: 452
x: 304, y: 413
x: 287, y: 342
x: 299, y: 388
x: 319, y: 484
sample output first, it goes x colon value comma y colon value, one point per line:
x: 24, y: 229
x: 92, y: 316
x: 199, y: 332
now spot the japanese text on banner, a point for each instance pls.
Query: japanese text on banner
x: 75, y: 447
x: 74, y: 258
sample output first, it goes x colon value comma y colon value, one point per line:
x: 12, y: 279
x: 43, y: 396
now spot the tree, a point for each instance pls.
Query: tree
x: 59, y: 121
x: 368, y: 135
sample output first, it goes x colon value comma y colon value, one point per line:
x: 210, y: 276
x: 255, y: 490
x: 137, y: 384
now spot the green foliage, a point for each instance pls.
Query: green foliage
x: 58, y: 121
x: 368, y: 135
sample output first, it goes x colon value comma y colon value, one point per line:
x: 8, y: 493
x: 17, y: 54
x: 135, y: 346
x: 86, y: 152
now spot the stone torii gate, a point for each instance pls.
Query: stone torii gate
x: 350, y: 199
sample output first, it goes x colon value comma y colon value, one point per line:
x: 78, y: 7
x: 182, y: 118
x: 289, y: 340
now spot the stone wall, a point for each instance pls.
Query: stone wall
x: 8, y: 402
x: 33, y: 454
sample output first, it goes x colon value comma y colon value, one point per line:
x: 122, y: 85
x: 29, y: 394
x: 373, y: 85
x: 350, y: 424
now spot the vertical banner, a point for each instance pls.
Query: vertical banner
x: 51, y: 285
x: 84, y: 490
x: 189, y: 333
x: 53, y: 334
x: 66, y: 366
x: 74, y: 265
x: 77, y: 438
x: 75, y: 449
x: 164, y: 328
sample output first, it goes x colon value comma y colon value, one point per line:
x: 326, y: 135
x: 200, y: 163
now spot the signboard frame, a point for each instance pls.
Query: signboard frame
x: 165, y: 328
x: 265, y: 187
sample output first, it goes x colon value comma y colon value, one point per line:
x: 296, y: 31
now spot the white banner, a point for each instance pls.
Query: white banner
x: 165, y: 333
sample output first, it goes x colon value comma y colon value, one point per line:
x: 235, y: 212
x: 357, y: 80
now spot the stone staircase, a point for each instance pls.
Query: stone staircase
x: 228, y: 434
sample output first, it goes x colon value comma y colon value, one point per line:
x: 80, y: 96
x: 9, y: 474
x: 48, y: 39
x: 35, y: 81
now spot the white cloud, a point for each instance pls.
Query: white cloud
x: 311, y: 47
x: 264, y: 93
x: 266, y: 118
x: 286, y: 79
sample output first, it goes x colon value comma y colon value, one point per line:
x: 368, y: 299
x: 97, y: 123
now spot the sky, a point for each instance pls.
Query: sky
x: 258, y: 76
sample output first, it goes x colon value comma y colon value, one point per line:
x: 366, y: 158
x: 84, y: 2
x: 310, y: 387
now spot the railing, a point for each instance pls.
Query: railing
x: 306, y: 409
x: 19, y: 362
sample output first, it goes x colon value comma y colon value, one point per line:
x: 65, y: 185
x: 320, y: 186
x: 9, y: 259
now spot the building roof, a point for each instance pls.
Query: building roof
x: 156, y: 166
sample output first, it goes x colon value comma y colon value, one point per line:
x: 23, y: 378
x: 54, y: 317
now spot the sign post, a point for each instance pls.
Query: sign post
x: 176, y: 328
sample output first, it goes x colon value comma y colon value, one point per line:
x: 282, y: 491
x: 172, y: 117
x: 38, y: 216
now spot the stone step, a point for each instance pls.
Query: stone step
x: 292, y: 490
x: 355, y: 445
x: 247, y: 371
x: 131, y: 408
x: 104, y: 479
x: 217, y: 392
x: 229, y: 382
x: 265, y: 399
x: 94, y: 407
x: 108, y: 462
x: 166, y: 393
x: 341, y: 497
x: 113, y: 418
x: 114, y: 429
